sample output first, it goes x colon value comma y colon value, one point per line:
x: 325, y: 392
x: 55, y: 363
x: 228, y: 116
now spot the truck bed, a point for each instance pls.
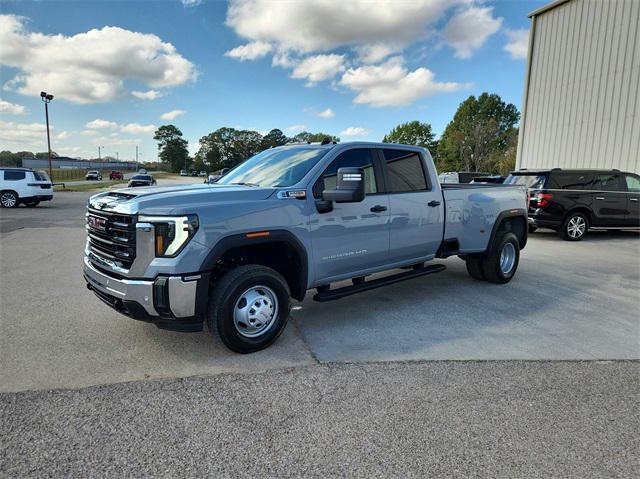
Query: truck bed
x: 472, y: 209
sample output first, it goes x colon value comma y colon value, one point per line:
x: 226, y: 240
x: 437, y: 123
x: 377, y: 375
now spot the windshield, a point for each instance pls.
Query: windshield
x: 530, y: 181
x: 277, y: 167
x: 141, y: 178
x: 41, y: 175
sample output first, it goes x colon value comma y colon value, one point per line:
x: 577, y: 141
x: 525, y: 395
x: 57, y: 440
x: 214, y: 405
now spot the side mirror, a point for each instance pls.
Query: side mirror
x: 349, y: 186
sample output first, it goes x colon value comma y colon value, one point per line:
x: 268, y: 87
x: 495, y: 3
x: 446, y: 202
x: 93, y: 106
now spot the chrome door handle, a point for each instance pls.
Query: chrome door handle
x: 633, y: 199
x: 599, y: 197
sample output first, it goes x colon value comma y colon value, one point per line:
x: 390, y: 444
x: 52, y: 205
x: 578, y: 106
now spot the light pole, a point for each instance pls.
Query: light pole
x: 99, y: 157
x: 46, y: 98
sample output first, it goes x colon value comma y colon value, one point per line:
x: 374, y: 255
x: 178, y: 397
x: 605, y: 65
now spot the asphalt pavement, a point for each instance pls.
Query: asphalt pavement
x: 434, y: 419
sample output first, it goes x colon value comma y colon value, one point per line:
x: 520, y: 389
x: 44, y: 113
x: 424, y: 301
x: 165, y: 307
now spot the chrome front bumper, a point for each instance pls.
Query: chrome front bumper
x: 171, y: 297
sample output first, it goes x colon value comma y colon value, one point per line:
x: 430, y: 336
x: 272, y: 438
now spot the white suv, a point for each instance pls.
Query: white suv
x: 23, y: 185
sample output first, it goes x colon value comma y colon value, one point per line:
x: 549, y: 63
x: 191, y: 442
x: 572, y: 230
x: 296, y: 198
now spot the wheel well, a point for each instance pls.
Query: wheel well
x: 579, y: 209
x: 516, y: 225
x: 277, y: 255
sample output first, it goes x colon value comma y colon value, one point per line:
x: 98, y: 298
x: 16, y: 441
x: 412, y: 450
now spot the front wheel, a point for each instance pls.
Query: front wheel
x: 9, y: 199
x: 501, y: 261
x: 249, y: 308
x: 575, y: 227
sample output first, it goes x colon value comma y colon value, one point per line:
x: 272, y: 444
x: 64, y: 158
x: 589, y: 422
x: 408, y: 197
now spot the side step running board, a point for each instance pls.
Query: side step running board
x: 339, y: 293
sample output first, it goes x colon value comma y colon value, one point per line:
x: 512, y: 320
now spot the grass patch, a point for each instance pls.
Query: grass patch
x: 106, y: 185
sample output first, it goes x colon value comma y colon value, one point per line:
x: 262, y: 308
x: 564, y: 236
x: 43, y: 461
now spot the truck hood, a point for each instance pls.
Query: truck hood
x: 174, y: 199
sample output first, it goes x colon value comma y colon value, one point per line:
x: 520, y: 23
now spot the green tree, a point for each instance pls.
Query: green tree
x: 227, y: 147
x: 272, y: 139
x: 173, y: 148
x: 413, y: 133
x: 305, y: 136
x: 479, y: 134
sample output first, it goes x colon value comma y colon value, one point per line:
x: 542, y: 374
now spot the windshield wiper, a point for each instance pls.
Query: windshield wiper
x: 243, y: 183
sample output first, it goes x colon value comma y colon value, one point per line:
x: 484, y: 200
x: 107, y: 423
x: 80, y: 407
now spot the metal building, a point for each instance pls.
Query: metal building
x: 581, y: 105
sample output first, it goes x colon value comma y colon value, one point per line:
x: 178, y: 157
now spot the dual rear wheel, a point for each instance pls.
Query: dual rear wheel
x: 499, y: 264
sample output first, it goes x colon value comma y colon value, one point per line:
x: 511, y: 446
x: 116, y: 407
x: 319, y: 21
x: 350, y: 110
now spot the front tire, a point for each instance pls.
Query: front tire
x: 249, y: 308
x: 575, y: 227
x: 9, y: 199
x: 501, y: 261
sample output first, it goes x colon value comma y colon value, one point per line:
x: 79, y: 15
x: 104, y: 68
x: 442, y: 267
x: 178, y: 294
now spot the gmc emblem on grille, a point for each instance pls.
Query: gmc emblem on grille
x: 97, y: 223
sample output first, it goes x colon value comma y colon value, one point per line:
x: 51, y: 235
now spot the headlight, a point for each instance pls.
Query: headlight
x: 172, y: 233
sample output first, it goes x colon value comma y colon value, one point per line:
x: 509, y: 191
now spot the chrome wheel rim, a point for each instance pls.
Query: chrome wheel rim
x: 8, y: 200
x: 507, y: 258
x: 255, y: 311
x: 576, y: 227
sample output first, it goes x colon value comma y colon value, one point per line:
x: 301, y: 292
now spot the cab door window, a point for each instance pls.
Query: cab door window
x: 360, y: 157
x: 608, y: 182
x: 405, y: 171
x: 633, y: 183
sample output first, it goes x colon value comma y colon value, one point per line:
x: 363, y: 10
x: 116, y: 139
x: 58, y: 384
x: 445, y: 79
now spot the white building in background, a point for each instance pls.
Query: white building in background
x: 581, y: 105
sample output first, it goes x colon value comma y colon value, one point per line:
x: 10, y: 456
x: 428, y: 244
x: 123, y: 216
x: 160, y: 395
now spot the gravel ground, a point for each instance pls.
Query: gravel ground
x: 417, y: 419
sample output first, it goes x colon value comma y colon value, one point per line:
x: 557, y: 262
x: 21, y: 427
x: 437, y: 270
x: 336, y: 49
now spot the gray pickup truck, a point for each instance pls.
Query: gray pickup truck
x: 293, y: 218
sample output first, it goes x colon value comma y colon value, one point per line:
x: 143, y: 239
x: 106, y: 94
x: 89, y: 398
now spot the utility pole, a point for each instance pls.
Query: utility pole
x: 99, y: 157
x: 46, y: 98
x: 136, y: 154
x: 117, y: 157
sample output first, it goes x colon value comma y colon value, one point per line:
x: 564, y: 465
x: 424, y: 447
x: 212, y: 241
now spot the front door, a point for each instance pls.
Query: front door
x: 633, y: 200
x: 416, y: 208
x: 609, y: 200
x: 353, y: 236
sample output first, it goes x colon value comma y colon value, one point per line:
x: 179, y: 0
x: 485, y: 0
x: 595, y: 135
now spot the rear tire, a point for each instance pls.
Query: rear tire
x: 9, y: 199
x: 249, y: 308
x: 501, y: 262
x: 474, y: 267
x: 574, y: 227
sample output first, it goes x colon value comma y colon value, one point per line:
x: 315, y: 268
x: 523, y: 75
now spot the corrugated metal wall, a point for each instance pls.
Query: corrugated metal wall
x: 582, y: 107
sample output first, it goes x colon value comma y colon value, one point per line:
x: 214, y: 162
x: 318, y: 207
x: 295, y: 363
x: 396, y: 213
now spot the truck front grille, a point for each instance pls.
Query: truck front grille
x: 112, y: 237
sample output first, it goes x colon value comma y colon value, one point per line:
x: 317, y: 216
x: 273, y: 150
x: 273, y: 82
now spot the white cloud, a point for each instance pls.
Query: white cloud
x: 172, y: 115
x: 250, y: 51
x: 89, y: 133
x: 99, y: 124
x: 319, y: 67
x: 191, y: 3
x: 328, y: 113
x: 518, y: 45
x: 296, y: 128
x: 137, y: 129
x: 282, y: 59
x: 326, y: 24
x: 63, y: 135
x: 375, y: 53
x: 355, y: 131
x: 101, y: 60
x: 468, y: 29
x: 23, y: 133
x: 146, y: 95
x: 115, y: 141
x: 8, y: 108
x: 391, y: 84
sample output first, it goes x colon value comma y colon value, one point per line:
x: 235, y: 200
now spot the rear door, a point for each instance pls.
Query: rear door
x: 633, y: 198
x: 609, y: 199
x: 416, y: 207
x: 353, y: 236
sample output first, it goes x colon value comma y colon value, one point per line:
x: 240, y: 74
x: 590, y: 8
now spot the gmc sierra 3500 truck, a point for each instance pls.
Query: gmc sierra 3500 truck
x: 287, y: 220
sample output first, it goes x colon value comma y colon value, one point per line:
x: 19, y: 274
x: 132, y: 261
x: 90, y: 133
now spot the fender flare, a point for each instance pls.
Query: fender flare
x: 512, y: 213
x: 274, y: 236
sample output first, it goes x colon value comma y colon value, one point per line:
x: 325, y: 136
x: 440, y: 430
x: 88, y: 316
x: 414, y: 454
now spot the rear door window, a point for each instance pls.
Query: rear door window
x: 405, y: 171
x: 570, y: 181
x: 14, y: 175
x: 608, y: 182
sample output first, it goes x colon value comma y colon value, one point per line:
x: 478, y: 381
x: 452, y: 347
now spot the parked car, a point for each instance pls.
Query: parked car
x: 194, y: 173
x: 460, y: 176
x: 183, y: 173
x: 496, y: 180
x: 217, y: 175
x: 142, y: 171
x: 93, y: 175
x: 141, y: 180
x: 287, y: 220
x: 203, y: 173
x: 116, y: 175
x: 574, y: 201
x: 24, y: 185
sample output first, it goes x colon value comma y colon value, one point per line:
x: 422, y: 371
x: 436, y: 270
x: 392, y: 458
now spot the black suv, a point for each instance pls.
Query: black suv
x: 572, y: 201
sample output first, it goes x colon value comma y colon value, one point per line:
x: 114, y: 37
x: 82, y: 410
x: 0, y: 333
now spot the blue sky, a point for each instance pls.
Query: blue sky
x: 353, y: 69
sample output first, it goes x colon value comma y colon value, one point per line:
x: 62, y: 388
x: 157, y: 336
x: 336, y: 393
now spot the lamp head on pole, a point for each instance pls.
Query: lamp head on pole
x: 46, y: 97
